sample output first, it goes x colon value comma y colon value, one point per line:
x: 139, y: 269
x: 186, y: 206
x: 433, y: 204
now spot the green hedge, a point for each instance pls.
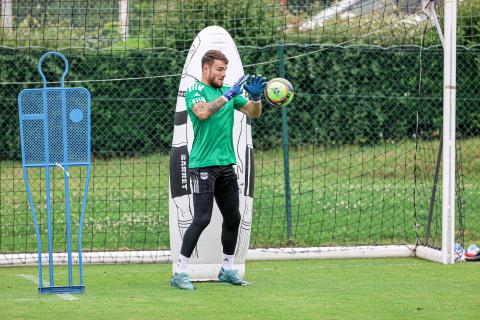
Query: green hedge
x: 344, y: 95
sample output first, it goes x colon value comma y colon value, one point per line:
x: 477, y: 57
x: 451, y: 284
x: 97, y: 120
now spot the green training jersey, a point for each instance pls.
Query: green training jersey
x: 212, y: 144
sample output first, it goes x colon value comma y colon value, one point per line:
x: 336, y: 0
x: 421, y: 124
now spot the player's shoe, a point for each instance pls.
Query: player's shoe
x: 181, y: 280
x: 232, y: 277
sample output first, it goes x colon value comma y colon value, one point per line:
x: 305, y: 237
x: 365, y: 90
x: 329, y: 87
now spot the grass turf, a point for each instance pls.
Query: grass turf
x: 302, y: 289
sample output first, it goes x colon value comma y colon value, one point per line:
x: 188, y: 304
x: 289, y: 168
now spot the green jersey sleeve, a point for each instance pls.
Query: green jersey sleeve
x: 194, y: 95
x: 239, y: 101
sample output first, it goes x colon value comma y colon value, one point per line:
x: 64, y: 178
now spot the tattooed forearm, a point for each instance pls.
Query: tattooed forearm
x: 215, y: 105
x: 203, y: 110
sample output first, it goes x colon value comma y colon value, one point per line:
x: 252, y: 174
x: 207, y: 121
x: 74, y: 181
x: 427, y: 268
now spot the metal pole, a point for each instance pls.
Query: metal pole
x: 6, y: 14
x: 449, y: 95
x: 286, y: 166
x: 123, y: 14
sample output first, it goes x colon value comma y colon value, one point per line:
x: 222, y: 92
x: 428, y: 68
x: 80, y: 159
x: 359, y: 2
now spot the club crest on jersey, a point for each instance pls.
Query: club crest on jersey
x: 204, y: 175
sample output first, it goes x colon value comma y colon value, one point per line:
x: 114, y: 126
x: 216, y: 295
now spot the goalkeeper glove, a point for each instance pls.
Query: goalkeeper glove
x: 236, y: 89
x: 255, y: 86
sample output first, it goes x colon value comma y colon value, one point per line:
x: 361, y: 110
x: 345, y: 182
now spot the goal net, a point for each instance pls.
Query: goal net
x: 352, y: 168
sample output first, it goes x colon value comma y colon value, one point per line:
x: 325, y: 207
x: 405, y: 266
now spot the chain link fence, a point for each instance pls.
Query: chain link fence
x: 364, y: 130
x: 364, y: 133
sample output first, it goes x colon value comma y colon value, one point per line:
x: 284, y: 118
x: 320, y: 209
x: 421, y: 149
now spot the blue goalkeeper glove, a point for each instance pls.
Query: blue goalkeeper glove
x: 236, y: 89
x: 255, y: 86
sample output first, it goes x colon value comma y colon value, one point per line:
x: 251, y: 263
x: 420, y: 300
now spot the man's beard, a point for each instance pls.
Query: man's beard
x: 213, y: 83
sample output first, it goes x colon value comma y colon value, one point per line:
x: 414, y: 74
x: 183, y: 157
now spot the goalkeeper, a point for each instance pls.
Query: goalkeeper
x: 210, y: 106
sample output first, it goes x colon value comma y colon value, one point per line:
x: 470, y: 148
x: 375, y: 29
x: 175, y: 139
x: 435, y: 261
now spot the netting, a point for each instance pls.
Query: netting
x: 364, y: 129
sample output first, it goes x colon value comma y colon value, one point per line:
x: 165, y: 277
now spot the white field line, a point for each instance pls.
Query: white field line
x: 63, y: 296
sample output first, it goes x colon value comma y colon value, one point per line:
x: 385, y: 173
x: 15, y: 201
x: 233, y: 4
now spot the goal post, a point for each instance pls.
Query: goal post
x: 449, y: 129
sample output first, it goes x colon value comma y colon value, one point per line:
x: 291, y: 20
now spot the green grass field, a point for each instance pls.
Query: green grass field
x: 302, y: 289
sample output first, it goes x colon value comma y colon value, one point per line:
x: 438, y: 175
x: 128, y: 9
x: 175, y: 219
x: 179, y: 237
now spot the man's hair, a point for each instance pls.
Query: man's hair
x: 211, y: 55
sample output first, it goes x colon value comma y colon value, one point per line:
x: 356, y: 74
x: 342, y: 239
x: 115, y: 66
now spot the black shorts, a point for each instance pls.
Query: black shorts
x: 214, y: 179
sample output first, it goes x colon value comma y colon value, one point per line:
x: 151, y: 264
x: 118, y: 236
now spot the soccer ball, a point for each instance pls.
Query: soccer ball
x: 279, y: 92
x: 472, y: 250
